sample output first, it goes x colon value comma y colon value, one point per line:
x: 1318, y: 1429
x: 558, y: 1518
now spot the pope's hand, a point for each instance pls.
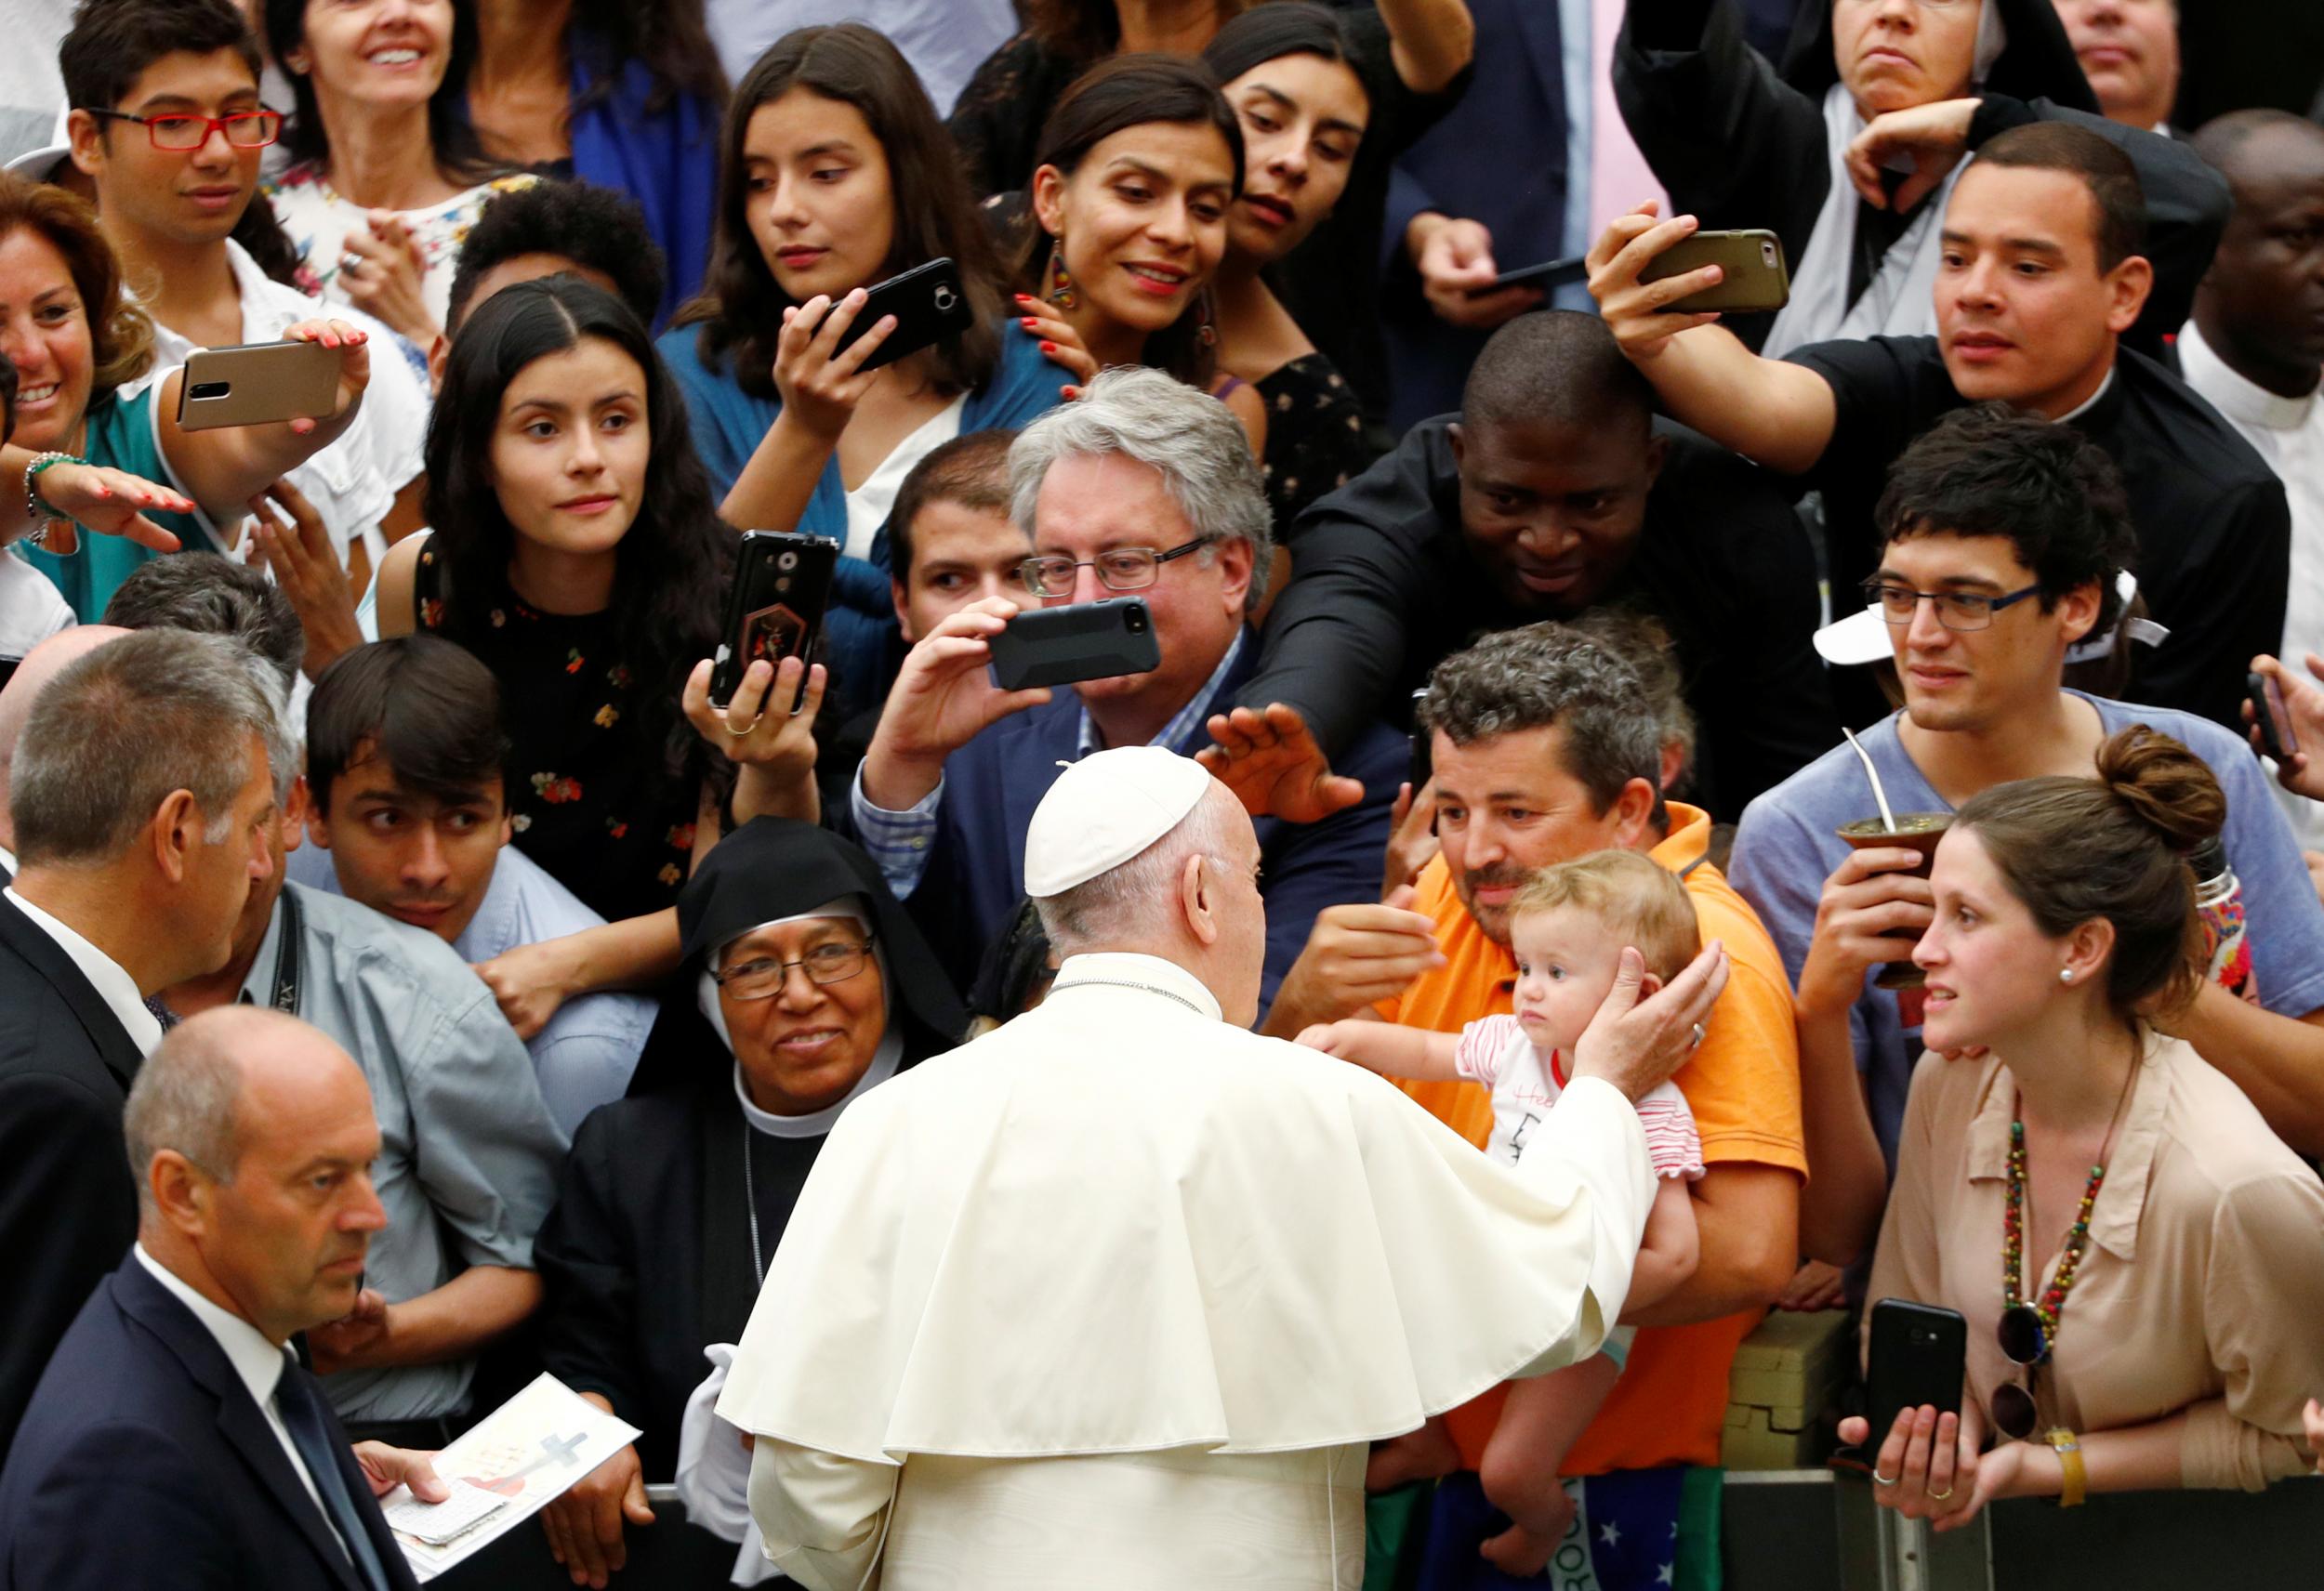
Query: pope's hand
x: 1640, y: 1044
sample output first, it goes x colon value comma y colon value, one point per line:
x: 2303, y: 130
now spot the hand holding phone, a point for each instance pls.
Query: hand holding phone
x: 1752, y: 277
x: 774, y: 608
x: 928, y: 304
x: 2270, y: 721
x: 257, y: 384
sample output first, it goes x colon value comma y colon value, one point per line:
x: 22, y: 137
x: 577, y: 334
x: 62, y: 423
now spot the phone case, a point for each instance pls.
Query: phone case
x: 1920, y: 1355
x: 1752, y: 260
x: 257, y: 384
x: 774, y: 611
x: 1088, y: 640
x: 928, y: 304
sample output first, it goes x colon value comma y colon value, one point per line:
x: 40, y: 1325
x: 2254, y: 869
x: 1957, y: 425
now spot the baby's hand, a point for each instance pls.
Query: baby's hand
x: 1321, y: 1035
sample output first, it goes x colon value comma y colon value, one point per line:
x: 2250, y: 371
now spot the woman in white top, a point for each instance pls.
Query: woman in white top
x: 386, y: 177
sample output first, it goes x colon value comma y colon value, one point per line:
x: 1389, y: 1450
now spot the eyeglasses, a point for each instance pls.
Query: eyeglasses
x: 1123, y: 568
x: 1955, y: 610
x: 182, y: 133
x: 833, y: 963
x: 2025, y: 1345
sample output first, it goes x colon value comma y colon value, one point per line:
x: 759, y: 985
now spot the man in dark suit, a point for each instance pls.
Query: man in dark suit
x: 174, y: 1439
x: 135, y: 791
x: 1145, y: 488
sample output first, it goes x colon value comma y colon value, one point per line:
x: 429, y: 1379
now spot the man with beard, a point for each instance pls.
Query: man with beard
x: 1546, y: 748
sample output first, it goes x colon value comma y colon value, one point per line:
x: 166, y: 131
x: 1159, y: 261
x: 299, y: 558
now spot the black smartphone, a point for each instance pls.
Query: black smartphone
x: 774, y: 610
x: 1421, y: 765
x: 1920, y: 1355
x: 929, y: 305
x: 2268, y: 710
x: 1087, y: 640
x: 1549, y: 275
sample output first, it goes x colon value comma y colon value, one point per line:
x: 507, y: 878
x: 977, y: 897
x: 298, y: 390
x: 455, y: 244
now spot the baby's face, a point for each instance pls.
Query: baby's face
x: 1566, y: 960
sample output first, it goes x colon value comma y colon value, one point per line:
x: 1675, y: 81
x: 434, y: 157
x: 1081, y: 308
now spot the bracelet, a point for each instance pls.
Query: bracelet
x: 36, y: 509
x: 2068, y: 1448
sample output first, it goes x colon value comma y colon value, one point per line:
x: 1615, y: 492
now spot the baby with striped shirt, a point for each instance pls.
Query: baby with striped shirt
x: 1568, y: 928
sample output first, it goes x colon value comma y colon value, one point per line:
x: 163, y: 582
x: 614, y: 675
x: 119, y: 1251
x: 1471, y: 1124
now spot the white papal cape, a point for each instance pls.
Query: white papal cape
x: 1114, y: 1296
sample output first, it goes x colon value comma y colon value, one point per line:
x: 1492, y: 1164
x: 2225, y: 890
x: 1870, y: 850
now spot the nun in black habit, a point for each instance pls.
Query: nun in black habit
x: 1740, y: 144
x: 812, y: 986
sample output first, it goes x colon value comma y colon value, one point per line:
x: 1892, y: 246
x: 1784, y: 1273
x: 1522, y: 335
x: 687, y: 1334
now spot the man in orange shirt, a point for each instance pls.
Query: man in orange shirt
x: 1546, y: 746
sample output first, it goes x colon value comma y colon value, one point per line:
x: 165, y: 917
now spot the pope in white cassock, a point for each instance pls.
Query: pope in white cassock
x: 1117, y: 1295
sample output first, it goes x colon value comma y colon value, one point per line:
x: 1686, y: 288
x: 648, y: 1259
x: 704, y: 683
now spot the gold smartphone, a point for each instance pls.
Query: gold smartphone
x: 1752, y: 271
x: 257, y: 384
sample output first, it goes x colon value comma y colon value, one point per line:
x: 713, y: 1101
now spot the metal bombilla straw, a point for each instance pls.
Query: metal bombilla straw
x: 1888, y: 818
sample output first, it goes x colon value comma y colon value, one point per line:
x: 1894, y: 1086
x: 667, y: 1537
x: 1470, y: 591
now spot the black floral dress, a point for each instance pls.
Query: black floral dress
x: 588, y: 792
x: 1315, y: 442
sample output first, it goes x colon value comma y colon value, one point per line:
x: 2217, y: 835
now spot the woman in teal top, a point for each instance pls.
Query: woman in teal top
x: 81, y: 352
x: 835, y: 174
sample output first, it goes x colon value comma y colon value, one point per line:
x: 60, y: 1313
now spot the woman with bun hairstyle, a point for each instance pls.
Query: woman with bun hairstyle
x: 1140, y: 163
x: 2141, y: 1260
x: 835, y: 174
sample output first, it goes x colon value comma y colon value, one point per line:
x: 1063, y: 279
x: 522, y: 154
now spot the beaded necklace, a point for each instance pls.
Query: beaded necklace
x: 2051, y: 1303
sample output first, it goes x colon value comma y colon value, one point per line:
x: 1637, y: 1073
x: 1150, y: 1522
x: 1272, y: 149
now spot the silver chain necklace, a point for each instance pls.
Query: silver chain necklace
x: 1125, y: 984
x: 750, y: 1202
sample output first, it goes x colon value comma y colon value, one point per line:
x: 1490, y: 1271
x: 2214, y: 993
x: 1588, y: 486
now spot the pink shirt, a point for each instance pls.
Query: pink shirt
x: 1526, y: 1081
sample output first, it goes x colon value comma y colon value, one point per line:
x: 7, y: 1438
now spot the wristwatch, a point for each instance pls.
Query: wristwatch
x: 2068, y: 1448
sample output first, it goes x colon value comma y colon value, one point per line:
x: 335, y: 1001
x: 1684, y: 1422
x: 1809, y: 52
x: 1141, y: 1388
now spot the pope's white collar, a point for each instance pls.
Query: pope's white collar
x: 1117, y: 969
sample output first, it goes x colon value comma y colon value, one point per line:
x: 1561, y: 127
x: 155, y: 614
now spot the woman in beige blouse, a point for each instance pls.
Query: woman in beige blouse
x: 2186, y: 1342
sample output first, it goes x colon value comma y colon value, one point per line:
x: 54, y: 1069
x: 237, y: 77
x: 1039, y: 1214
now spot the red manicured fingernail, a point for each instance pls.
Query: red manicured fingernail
x: 1023, y: 297
x: 1049, y: 347
x: 1029, y: 324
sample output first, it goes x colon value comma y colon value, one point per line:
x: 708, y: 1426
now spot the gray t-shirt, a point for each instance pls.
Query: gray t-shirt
x: 1785, y: 847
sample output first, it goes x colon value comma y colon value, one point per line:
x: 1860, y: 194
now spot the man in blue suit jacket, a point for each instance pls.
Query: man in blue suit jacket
x: 173, y: 1440
x: 1145, y: 488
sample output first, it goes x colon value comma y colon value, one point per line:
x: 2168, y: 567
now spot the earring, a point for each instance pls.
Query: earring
x: 1057, y: 283
x: 2065, y: 975
x: 1205, y: 333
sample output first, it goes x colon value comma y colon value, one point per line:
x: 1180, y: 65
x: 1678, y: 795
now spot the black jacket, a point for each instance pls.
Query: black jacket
x: 68, y: 1205
x: 143, y: 1462
x: 1384, y: 588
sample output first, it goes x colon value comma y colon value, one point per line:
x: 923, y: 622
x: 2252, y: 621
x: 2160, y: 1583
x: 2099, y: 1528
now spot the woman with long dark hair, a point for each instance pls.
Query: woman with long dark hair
x: 833, y: 175
x: 613, y: 93
x: 1290, y: 73
x: 385, y: 175
x: 1140, y: 165
x: 574, y: 551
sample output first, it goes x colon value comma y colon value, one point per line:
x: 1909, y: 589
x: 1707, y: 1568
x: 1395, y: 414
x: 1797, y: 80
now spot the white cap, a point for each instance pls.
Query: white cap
x: 1103, y: 811
x: 40, y: 165
x: 1864, y: 636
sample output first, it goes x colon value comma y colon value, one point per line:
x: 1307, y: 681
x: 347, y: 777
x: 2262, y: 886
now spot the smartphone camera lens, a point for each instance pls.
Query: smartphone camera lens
x: 945, y: 298
x: 1767, y: 253
x: 1136, y: 621
x: 788, y: 561
x: 783, y: 583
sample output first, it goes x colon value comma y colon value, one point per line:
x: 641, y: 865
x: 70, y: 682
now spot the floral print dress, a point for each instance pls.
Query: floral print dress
x: 586, y: 790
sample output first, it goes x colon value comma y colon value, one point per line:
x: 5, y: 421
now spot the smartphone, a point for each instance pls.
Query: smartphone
x: 1420, y: 766
x: 1549, y: 275
x: 929, y: 305
x: 1088, y: 640
x: 257, y: 384
x: 782, y: 582
x: 1920, y: 1355
x: 2275, y: 724
x: 1752, y: 262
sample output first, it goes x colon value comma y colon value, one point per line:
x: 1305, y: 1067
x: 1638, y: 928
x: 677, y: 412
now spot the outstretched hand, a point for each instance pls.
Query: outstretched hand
x: 1271, y: 763
x: 110, y: 502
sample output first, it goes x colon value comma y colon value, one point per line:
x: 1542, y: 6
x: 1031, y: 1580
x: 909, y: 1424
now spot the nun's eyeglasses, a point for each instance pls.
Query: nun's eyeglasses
x: 833, y: 963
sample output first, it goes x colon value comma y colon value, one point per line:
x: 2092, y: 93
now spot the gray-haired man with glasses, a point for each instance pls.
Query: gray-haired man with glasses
x: 1145, y: 487
x: 2004, y: 537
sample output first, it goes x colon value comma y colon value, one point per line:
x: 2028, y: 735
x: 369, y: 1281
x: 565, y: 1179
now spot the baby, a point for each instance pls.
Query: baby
x: 1567, y: 927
